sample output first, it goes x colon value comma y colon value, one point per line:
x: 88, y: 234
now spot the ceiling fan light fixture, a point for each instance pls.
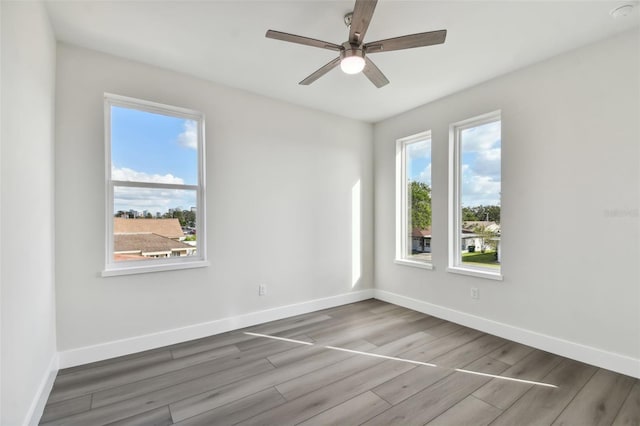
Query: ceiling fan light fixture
x: 352, y: 64
x: 352, y: 61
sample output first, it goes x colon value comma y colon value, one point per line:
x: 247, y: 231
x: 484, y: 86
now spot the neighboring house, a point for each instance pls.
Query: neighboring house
x: 487, y: 224
x: 421, y: 240
x: 472, y: 238
x: 169, y: 228
x: 148, y: 238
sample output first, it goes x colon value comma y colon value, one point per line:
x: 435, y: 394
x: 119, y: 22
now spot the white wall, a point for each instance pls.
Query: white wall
x: 279, y: 199
x: 27, y: 212
x: 570, y: 221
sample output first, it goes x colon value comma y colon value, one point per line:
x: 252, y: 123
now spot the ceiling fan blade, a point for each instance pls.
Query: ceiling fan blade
x: 292, y: 38
x: 320, y: 72
x: 407, y: 42
x: 374, y: 74
x: 362, y: 13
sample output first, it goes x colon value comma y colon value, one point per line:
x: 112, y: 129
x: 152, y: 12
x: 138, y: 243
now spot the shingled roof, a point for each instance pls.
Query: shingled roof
x: 146, y: 243
x: 417, y: 232
x: 169, y: 228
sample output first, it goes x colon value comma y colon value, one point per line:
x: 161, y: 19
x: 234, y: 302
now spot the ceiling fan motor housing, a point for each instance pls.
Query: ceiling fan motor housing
x: 351, y: 58
x: 351, y: 50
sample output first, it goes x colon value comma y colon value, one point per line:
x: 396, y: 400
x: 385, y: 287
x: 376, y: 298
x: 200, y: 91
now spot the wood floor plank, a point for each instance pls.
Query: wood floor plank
x: 444, y: 329
x: 124, y: 378
x: 329, y: 329
x: 469, y: 352
x: 206, y: 345
x: 302, y: 352
x: 287, y: 324
x: 405, y: 385
x: 137, y: 405
x: 598, y: 402
x: 226, y: 373
x: 630, y: 412
x: 410, y: 316
x: 237, y: 411
x: 439, y: 346
x: 386, y: 308
x: 392, y: 332
x: 230, y: 362
x: 352, y: 412
x: 115, y: 360
x: 86, y: 381
x: 503, y: 393
x: 541, y: 405
x: 101, y: 370
x: 257, y: 342
x: 190, y: 406
x: 311, y: 404
x: 439, y: 397
x: 157, y: 417
x: 358, y: 331
x: 468, y: 412
x: 511, y: 353
x: 304, y: 384
x: 66, y: 408
x: 353, y: 309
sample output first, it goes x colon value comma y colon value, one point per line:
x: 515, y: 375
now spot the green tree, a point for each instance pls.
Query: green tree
x: 468, y: 214
x: 420, y: 205
x: 189, y: 218
x: 487, y: 237
x: 484, y: 213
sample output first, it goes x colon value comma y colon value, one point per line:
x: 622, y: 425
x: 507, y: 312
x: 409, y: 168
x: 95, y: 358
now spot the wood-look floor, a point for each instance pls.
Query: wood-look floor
x: 237, y: 378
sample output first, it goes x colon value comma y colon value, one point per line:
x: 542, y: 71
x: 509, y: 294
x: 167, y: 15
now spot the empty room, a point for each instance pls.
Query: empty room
x: 316, y: 212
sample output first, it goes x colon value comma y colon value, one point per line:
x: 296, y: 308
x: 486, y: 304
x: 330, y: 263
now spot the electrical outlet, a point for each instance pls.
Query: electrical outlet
x: 475, y: 293
x: 262, y: 289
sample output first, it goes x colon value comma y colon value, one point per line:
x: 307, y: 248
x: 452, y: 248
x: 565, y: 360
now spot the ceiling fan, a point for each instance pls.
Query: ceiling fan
x: 353, y: 53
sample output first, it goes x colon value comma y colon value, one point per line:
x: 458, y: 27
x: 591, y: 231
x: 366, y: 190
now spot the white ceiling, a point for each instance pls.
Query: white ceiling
x: 224, y: 42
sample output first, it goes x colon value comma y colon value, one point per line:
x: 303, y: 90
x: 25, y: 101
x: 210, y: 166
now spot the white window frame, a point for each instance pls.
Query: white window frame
x: 455, y: 206
x: 402, y: 218
x: 113, y: 268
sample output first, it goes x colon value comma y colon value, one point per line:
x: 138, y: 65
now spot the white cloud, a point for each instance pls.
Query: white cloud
x: 135, y: 176
x: 479, y: 189
x: 419, y: 149
x: 425, y: 175
x: 152, y: 199
x: 481, y: 138
x: 487, y: 163
x: 481, y: 175
x: 189, y: 138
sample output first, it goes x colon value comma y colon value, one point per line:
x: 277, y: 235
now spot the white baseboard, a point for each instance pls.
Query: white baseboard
x: 40, y: 399
x: 587, y: 354
x: 84, y: 355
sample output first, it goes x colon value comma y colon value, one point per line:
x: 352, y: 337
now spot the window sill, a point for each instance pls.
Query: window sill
x: 475, y: 272
x: 154, y: 268
x: 413, y: 263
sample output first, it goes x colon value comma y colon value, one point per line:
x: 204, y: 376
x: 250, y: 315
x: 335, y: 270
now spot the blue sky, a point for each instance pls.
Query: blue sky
x: 481, y: 148
x: 481, y: 171
x: 419, y: 161
x: 147, y: 147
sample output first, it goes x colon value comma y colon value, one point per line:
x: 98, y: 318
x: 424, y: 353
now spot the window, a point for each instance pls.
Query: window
x: 474, y: 195
x: 413, y: 200
x: 155, y: 187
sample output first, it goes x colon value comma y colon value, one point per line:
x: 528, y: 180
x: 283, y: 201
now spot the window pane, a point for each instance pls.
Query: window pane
x: 151, y: 223
x: 418, y: 196
x: 149, y: 147
x: 480, y: 181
